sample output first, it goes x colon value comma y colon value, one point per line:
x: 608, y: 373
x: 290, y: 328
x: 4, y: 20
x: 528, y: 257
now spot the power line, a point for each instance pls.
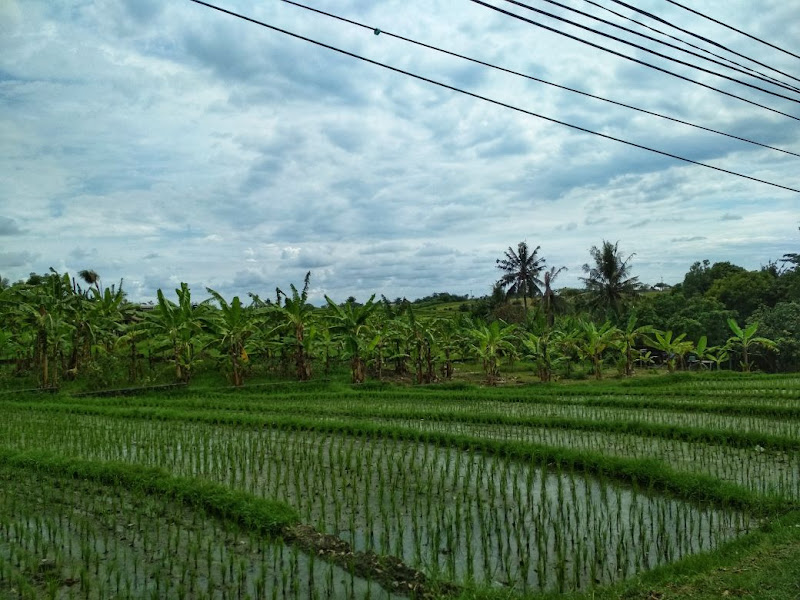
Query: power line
x: 485, y: 98
x: 756, y: 75
x: 531, y: 77
x: 631, y: 58
x: 752, y: 37
x: 698, y: 36
x: 682, y: 41
x: 629, y: 43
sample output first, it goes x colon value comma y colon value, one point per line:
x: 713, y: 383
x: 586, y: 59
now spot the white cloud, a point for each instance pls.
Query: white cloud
x: 167, y: 142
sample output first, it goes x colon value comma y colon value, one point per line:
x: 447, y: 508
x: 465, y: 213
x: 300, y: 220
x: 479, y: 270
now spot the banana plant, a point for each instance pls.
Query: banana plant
x: 179, y: 328
x: 231, y: 327
x: 673, y: 346
x: 543, y: 350
x: 630, y: 336
x: 593, y: 342
x: 746, y: 341
x: 705, y: 352
x: 351, y: 322
x: 492, y: 342
x: 296, y: 314
x: 718, y: 355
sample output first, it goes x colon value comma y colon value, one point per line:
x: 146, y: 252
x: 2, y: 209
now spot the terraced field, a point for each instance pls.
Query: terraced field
x: 327, y: 491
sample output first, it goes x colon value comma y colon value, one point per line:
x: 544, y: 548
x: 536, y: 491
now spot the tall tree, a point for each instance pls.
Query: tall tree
x: 521, y: 272
x: 791, y: 259
x: 609, y: 285
x: 549, y: 297
x: 90, y: 277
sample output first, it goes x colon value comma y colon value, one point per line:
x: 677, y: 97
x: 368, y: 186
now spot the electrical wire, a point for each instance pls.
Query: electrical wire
x: 756, y: 75
x: 631, y: 58
x: 637, y: 46
x: 682, y: 41
x: 698, y: 36
x: 484, y: 98
x: 531, y: 77
x: 752, y: 37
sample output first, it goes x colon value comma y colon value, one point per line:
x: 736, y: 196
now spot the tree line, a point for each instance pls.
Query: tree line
x: 58, y: 328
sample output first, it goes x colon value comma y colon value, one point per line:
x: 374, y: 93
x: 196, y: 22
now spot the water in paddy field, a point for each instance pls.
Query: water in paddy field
x: 768, y: 472
x: 454, y: 514
x: 466, y: 517
x: 68, y: 539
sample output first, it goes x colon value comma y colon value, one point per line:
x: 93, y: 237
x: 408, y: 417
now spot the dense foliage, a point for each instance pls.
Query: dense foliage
x: 56, y: 328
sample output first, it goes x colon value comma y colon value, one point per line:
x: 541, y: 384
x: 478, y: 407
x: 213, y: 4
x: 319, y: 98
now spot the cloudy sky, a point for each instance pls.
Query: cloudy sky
x: 161, y: 141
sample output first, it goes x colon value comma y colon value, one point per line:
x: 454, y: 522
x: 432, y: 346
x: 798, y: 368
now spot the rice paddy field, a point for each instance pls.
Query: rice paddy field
x: 655, y: 488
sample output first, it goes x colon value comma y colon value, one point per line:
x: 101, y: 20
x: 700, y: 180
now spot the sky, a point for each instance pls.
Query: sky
x: 162, y: 142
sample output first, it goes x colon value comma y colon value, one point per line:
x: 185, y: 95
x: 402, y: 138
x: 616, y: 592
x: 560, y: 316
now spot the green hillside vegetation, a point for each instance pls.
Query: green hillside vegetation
x: 63, y: 331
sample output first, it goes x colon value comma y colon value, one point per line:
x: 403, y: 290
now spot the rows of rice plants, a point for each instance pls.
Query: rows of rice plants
x: 767, y: 472
x: 549, y: 488
x: 67, y: 538
x: 741, y: 422
x: 456, y: 514
x: 764, y: 470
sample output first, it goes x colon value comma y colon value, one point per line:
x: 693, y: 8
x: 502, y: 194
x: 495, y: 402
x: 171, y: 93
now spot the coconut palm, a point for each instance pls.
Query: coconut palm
x: 90, y: 277
x: 521, y: 272
x: 549, y: 297
x: 609, y: 286
x: 45, y: 308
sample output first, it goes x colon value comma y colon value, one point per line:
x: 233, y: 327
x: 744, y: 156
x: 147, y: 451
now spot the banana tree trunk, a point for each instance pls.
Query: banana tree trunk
x: 358, y: 369
x: 43, y: 357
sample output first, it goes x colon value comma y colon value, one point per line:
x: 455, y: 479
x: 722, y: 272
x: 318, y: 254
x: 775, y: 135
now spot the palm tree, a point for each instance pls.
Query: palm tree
x: 609, y: 286
x: 549, y: 298
x: 91, y: 277
x: 45, y: 309
x: 522, y: 270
